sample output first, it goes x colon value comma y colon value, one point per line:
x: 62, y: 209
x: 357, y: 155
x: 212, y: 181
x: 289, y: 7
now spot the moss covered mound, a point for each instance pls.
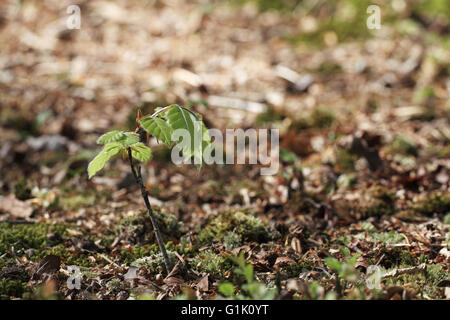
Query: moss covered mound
x: 138, y: 228
x: 434, y: 203
x: 154, y: 262
x: 210, y: 262
x: 235, y: 226
x: 28, y: 236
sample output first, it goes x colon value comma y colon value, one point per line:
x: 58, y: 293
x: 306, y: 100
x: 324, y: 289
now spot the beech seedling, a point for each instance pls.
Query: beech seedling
x: 172, y: 125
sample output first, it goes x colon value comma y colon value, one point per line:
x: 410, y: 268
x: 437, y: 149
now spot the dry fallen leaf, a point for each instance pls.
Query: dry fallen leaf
x: 15, y: 208
x: 203, y: 284
x: 283, y: 260
x: 49, y: 264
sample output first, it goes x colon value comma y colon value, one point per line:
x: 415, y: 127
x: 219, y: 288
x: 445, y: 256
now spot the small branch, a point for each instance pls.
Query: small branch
x: 137, y: 175
x: 397, y: 272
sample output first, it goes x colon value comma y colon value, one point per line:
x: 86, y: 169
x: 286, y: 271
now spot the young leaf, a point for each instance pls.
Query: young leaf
x: 141, y: 152
x: 179, y: 118
x: 97, y: 164
x: 110, y: 136
x: 125, y: 138
x: 227, y: 289
x: 333, y: 263
x: 129, y: 139
x: 158, y: 128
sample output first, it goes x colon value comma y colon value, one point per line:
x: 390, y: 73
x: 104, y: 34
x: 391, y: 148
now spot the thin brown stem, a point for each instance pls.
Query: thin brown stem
x: 136, y: 170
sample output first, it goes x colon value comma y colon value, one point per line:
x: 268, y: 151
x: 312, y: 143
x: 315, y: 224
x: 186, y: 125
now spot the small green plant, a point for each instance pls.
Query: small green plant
x: 133, y: 145
x: 344, y: 270
x: 251, y: 288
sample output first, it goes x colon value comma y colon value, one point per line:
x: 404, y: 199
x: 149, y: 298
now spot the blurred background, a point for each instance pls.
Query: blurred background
x: 311, y: 68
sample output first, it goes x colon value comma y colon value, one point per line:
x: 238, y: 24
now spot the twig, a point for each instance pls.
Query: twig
x: 137, y: 175
x: 397, y: 272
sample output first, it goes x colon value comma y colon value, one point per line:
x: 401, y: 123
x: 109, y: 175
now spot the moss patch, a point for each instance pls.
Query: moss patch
x: 28, y: 236
x: 11, y: 288
x: 241, y: 222
x: 210, y: 262
x: 424, y: 283
x: 154, y: 262
x: 36, y: 237
x: 130, y: 254
x: 294, y: 269
x: 397, y: 257
x: 319, y: 118
x: 435, y: 203
x: 138, y: 229
x: 379, y: 202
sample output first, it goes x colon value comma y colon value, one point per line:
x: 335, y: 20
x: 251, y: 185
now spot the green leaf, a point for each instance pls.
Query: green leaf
x: 248, y: 272
x: 158, y: 128
x: 345, y: 251
x: 129, y: 139
x: 141, y: 152
x: 97, y: 164
x: 227, y: 289
x: 352, y: 260
x: 179, y: 118
x: 125, y: 138
x: 110, y: 136
x: 334, y: 264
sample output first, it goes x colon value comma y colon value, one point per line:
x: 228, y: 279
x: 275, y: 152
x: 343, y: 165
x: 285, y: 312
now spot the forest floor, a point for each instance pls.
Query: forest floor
x: 363, y: 182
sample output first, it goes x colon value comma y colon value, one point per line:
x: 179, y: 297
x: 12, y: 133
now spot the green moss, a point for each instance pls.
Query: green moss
x: 345, y: 161
x: 380, y: 202
x: 329, y: 68
x: 114, y: 285
x: 210, y: 262
x: 129, y: 255
x: 319, y: 118
x: 435, y: 203
x: 294, y: 269
x: 67, y: 256
x: 154, y: 262
x: 404, y: 147
x: 242, y: 222
x: 35, y: 236
x: 264, y: 5
x: 232, y: 240
x: 322, y: 118
x: 397, y: 257
x: 347, y: 181
x: 27, y: 236
x: 21, y: 189
x: 433, y: 9
x: 424, y: 283
x: 11, y: 288
x: 346, y: 18
x: 138, y: 228
x: 269, y: 115
x: 70, y: 200
x: 77, y: 201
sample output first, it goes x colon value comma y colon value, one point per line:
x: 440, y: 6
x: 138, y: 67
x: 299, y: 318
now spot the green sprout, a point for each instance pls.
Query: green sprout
x: 133, y: 145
